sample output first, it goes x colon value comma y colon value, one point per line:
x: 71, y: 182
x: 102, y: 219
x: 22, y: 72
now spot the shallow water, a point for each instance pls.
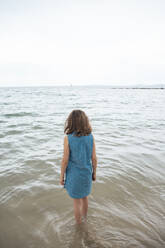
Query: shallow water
x: 127, y: 202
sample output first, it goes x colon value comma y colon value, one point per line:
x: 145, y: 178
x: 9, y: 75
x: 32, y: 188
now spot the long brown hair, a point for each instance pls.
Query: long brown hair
x: 77, y: 122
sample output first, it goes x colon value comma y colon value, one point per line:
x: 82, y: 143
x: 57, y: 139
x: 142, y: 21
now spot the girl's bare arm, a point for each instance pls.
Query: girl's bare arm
x: 65, y: 159
x: 94, y: 158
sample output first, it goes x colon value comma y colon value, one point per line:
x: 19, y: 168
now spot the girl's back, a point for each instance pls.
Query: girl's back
x: 80, y: 150
x: 79, y: 170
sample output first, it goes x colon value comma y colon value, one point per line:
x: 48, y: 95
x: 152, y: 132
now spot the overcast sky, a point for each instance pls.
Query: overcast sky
x: 82, y: 41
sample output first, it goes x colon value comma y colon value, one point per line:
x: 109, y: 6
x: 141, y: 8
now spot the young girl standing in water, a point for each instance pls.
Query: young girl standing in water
x: 79, y: 161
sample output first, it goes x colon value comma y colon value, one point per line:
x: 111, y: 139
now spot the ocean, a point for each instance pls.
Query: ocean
x: 127, y: 201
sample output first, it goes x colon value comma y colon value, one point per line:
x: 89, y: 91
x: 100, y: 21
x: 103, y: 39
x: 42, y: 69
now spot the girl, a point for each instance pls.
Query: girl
x: 79, y: 161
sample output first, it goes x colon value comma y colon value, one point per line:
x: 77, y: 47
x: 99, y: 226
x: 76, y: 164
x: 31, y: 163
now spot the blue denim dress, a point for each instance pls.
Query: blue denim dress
x: 78, y: 174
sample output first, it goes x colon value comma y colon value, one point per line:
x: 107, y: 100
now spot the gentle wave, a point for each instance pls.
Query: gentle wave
x: 126, y: 205
x: 19, y: 114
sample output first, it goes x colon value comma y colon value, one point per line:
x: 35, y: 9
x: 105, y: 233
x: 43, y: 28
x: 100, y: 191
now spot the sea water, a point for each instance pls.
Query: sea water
x: 127, y: 202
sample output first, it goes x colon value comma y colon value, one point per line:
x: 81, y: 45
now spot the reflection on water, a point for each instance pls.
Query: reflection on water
x: 126, y: 205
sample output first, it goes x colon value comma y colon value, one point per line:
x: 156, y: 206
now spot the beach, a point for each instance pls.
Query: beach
x: 126, y: 205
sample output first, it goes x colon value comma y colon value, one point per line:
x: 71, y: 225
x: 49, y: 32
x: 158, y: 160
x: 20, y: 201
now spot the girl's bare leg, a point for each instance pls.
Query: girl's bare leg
x: 84, y: 210
x: 77, y: 210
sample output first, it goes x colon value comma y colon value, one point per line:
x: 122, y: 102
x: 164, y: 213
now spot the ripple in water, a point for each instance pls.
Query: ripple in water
x: 126, y: 205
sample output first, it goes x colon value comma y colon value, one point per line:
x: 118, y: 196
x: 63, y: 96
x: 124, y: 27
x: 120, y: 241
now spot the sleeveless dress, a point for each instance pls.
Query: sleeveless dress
x: 78, y: 174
